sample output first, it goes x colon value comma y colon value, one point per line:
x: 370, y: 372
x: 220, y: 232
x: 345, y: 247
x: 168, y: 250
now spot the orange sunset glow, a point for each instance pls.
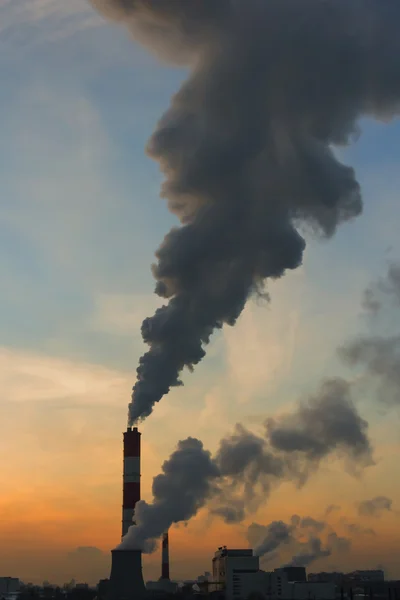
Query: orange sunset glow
x: 256, y: 346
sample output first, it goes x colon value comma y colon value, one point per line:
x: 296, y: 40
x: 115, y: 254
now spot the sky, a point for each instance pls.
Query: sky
x: 80, y: 220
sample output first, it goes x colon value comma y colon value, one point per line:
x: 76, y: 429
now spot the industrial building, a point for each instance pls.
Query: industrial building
x: 237, y: 574
x: 9, y: 585
x: 369, y: 575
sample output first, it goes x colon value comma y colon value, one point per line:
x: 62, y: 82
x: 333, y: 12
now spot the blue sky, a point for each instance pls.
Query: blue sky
x: 80, y: 219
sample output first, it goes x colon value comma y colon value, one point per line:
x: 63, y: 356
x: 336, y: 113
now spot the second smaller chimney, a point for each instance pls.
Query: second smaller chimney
x: 165, y: 557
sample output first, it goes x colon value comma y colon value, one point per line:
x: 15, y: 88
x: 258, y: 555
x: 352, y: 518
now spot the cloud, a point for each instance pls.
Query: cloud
x: 375, y: 507
x: 62, y: 410
x: 57, y: 20
x: 28, y: 378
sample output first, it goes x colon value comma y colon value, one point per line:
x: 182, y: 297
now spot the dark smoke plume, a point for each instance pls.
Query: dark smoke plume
x: 268, y: 541
x: 239, y: 477
x: 327, y: 422
x: 272, y: 537
x: 246, y: 150
x: 375, y: 507
x: 184, y: 486
x: 310, y: 552
x: 291, y: 449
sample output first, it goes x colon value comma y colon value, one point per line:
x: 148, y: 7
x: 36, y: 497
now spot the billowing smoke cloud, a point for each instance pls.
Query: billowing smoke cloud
x: 187, y: 481
x: 249, y: 467
x: 379, y: 355
x: 246, y: 467
x: 272, y: 537
x: 375, y: 507
x: 314, y: 549
x: 246, y: 150
x: 270, y: 540
x: 292, y: 447
x: 327, y: 422
x: 310, y: 552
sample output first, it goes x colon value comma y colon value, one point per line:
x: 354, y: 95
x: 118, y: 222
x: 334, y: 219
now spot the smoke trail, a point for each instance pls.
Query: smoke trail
x: 310, y: 552
x: 384, y: 287
x: 246, y: 464
x: 187, y: 481
x: 356, y: 529
x: 379, y: 355
x: 246, y: 150
x: 269, y: 540
x: 375, y: 507
x: 272, y: 537
x: 327, y: 421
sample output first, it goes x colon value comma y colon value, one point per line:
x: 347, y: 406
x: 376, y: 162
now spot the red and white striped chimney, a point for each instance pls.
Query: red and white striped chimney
x: 131, y: 486
x: 165, y: 556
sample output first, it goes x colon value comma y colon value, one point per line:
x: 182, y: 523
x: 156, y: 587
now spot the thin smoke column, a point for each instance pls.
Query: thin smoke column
x: 245, y: 148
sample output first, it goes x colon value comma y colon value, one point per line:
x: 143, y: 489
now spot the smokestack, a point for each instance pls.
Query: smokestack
x: 131, y: 484
x: 165, y: 556
x: 126, y: 579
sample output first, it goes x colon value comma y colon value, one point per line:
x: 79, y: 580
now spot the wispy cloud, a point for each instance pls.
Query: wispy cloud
x: 61, y: 406
x: 57, y: 153
x: 33, y: 22
x: 29, y: 377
